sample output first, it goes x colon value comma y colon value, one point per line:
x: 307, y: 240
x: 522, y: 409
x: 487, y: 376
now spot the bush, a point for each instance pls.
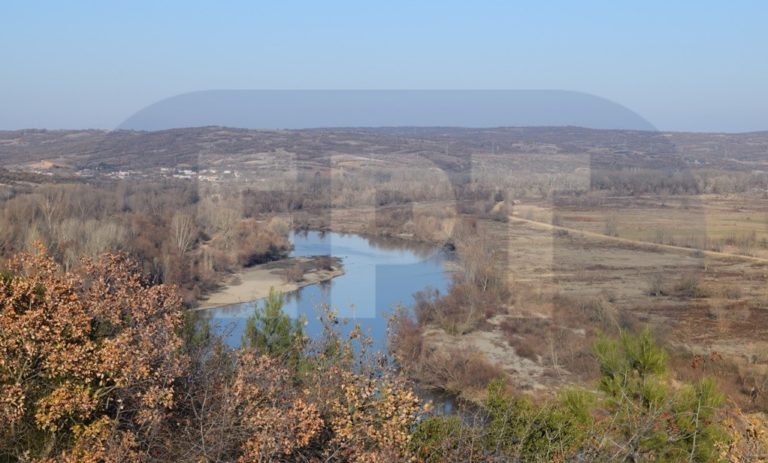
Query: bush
x: 596, y: 310
x: 689, y: 286
x: 457, y: 371
x: 637, y: 417
x: 611, y: 227
x: 114, y: 373
x: 462, y: 309
x: 437, y: 437
x: 552, y: 431
x: 98, y: 366
x: 406, y: 338
x: 294, y: 273
x: 654, y: 421
x: 325, y: 263
x: 732, y: 292
x: 523, y: 349
x: 87, y: 359
x: 656, y: 285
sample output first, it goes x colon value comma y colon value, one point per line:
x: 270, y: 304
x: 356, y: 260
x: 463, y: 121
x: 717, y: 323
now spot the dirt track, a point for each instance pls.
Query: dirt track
x: 643, y: 244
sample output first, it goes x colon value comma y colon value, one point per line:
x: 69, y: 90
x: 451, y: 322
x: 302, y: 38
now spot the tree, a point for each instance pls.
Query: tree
x: 183, y: 231
x: 6, y: 236
x: 87, y: 359
x: 271, y: 332
x: 649, y: 419
x: 537, y: 432
x: 50, y: 200
x: 242, y: 405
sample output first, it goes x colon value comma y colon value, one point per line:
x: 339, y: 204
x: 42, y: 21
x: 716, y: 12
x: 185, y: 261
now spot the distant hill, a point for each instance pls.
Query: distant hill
x: 449, y: 148
x: 301, y: 109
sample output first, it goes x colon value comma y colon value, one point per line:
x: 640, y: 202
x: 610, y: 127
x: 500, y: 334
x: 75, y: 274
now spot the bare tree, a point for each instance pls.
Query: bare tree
x: 479, y: 254
x: 32, y: 237
x: 183, y: 231
x: 70, y: 238
x: 84, y: 201
x: 50, y: 200
x: 217, y: 219
x: 102, y: 237
x: 6, y: 236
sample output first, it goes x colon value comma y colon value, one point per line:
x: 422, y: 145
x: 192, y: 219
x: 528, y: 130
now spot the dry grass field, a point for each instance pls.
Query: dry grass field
x: 572, y: 280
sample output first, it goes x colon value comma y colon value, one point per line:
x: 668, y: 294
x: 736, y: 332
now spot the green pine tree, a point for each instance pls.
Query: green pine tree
x: 651, y: 421
x: 271, y: 332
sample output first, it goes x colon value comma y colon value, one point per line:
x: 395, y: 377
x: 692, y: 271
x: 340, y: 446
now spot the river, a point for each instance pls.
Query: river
x: 379, y: 275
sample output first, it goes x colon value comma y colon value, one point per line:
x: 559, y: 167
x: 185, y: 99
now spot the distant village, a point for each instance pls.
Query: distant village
x: 205, y: 175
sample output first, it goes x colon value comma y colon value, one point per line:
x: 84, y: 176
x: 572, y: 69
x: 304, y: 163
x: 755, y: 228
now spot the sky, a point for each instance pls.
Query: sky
x: 684, y: 66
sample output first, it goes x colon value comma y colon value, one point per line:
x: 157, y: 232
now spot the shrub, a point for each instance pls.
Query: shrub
x: 528, y: 336
x: 552, y: 431
x: 88, y: 359
x: 455, y: 370
x: 732, y: 292
x: 689, y: 286
x: 325, y: 263
x: 464, y: 307
x: 656, y: 285
x: 294, y: 273
x: 437, y: 437
x: 523, y: 349
x: 596, y: 310
x: 637, y: 417
x: 406, y: 337
x: 651, y: 420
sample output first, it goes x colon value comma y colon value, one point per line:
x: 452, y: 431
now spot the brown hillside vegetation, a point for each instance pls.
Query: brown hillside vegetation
x: 98, y: 366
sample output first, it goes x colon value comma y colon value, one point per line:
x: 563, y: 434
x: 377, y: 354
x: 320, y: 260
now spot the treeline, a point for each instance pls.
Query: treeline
x: 598, y: 182
x: 192, y: 233
x: 179, y: 236
x: 632, y: 182
x: 98, y: 365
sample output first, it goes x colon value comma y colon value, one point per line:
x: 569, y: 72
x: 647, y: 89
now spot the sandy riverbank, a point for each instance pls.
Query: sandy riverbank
x: 254, y: 282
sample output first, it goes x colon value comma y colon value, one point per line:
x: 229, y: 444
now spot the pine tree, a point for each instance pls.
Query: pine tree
x: 271, y: 332
x: 650, y: 421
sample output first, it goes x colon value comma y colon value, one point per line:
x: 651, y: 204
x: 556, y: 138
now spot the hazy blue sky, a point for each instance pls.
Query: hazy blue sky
x: 682, y: 65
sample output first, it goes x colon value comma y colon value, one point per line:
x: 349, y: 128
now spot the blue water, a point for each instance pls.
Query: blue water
x: 380, y: 275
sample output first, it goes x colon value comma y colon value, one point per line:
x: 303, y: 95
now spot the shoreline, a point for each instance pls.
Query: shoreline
x: 255, y: 282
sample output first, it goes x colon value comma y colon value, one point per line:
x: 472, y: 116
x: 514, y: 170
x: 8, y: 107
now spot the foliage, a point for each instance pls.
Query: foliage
x: 436, y: 437
x: 177, y: 236
x: 537, y: 433
x: 96, y: 365
x: 87, y: 359
x: 637, y: 416
x: 271, y: 332
x: 649, y: 420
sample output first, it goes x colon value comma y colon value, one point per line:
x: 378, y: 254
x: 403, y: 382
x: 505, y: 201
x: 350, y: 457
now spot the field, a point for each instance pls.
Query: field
x: 560, y: 270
